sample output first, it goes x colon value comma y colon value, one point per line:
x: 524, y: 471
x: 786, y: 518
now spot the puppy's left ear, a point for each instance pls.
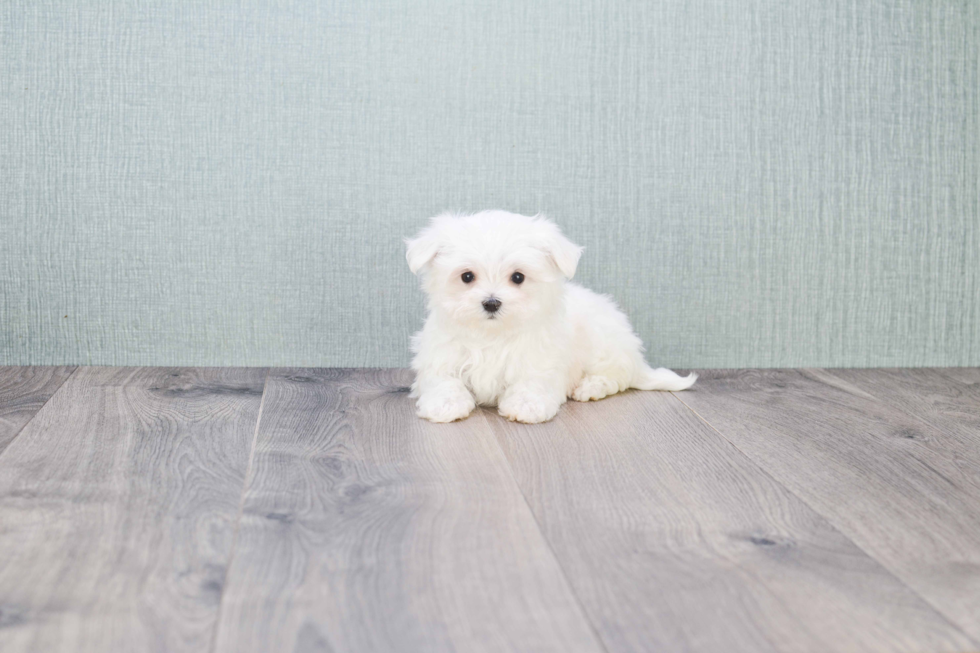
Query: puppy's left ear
x: 562, y: 251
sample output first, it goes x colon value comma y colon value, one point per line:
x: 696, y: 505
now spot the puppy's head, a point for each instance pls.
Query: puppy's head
x: 493, y: 270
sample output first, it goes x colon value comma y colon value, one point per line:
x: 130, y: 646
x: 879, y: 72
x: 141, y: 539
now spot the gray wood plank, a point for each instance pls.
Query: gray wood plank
x: 368, y: 529
x: 966, y: 375
x: 117, y: 510
x: 934, y: 396
x: 898, y: 487
x: 23, y: 390
x: 673, y: 540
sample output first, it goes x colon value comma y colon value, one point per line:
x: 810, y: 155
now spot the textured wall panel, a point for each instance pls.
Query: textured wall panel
x: 766, y: 183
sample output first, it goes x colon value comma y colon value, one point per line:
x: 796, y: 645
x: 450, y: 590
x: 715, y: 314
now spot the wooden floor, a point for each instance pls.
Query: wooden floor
x: 239, y: 510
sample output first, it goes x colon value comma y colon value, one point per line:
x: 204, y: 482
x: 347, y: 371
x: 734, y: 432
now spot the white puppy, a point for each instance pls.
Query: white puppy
x: 505, y: 328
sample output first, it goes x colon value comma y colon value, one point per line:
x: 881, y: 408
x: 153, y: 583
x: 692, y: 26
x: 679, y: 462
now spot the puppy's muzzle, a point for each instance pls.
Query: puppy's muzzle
x: 491, y: 305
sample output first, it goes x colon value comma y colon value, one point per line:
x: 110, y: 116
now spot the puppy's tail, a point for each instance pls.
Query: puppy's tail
x: 661, y: 378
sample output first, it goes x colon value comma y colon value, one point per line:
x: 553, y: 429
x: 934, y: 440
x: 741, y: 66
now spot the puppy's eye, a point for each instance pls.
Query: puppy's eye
x: 517, y: 278
x: 468, y: 277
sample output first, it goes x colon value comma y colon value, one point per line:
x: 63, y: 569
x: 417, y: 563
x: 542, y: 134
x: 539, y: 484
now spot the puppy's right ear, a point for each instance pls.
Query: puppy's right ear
x: 421, y: 250
x: 424, y: 247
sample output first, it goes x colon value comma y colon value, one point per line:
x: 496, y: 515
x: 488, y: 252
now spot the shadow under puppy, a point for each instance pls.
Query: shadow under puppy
x: 505, y: 328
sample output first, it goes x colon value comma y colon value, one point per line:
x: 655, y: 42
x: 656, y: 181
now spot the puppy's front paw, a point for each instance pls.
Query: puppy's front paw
x: 529, y: 409
x: 445, y: 406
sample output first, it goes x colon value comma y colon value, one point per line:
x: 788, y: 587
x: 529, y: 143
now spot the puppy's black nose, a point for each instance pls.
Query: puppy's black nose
x: 491, y: 305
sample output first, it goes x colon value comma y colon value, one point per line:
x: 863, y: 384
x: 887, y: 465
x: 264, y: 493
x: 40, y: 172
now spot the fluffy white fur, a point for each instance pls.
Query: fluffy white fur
x: 549, y: 339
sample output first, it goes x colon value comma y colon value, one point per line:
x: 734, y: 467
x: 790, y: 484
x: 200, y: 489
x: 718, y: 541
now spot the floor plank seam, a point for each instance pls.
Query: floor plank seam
x: 544, y: 537
x: 241, y: 510
x: 835, y: 527
x: 38, y: 411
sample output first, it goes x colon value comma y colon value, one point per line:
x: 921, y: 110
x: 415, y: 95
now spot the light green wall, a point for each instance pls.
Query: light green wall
x: 759, y: 183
